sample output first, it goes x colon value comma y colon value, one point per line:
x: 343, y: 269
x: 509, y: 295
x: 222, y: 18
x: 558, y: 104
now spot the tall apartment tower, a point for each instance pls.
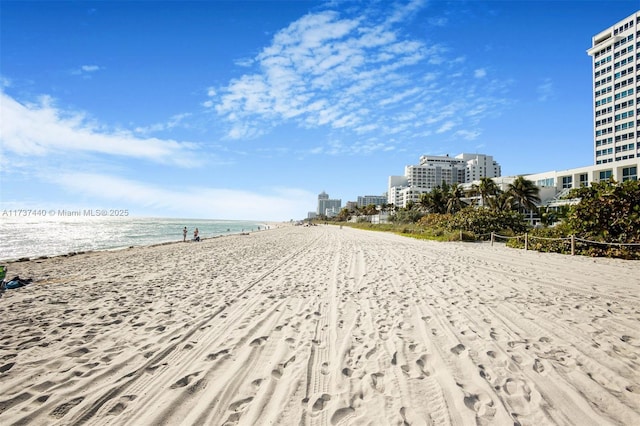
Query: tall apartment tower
x: 616, y: 122
x: 327, y: 206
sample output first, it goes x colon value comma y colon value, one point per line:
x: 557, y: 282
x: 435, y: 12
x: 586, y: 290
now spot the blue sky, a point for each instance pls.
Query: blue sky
x: 249, y: 109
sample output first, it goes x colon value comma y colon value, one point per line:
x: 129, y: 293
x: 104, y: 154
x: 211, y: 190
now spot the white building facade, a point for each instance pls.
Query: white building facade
x: 556, y: 184
x: 376, y: 200
x: 432, y: 171
x: 616, y: 53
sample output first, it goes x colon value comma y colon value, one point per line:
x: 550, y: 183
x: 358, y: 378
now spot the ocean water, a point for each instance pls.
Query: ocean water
x: 42, y: 236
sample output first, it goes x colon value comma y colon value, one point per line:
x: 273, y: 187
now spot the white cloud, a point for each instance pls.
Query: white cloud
x: 467, y: 134
x: 446, y: 126
x: 320, y: 59
x: 439, y: 21
x: 274, y: 204
x: 42, y: 129
x: 85, y: 70
x: 173, y: 122
x: 90, y: 68
x: 545, y: 90
x: 480, y: 73
x: 244, y: 62
x: 357, y: 71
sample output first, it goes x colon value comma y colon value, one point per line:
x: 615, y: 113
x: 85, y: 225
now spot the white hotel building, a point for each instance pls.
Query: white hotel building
x: 434, y: 170
x: 616, y: 54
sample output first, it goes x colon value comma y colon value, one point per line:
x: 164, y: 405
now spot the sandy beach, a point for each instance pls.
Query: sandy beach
x: 321, y: 326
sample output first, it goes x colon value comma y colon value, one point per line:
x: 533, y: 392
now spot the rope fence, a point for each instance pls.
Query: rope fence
x: 571, y: 239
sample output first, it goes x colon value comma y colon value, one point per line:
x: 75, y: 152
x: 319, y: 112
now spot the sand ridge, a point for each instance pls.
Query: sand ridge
x: 321, y: 326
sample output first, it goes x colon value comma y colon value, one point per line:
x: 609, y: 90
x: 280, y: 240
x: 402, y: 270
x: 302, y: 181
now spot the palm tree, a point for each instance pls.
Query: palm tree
x: 454, y: 198
x: 486, y: 188
x: 525, y: 193
x: 503, y: 202
x: 434, y: 201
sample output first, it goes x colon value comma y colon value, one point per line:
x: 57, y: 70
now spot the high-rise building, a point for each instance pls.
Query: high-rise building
x: 327, y: 206
x: 616, y: 52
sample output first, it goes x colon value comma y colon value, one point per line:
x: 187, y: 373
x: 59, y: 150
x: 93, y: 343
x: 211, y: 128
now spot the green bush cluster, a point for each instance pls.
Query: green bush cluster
x: 608, y: 212
x: 482, y: 222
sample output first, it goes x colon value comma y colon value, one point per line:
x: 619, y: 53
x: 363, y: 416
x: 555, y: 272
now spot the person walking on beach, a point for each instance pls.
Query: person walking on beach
x: 184, y: 234
x: 196, y: 237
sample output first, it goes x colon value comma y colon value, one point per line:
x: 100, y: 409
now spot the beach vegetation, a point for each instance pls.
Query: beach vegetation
x: 605, y: 222
x: 524, y: 193
x: 487, y: 188
x: 606, y: 217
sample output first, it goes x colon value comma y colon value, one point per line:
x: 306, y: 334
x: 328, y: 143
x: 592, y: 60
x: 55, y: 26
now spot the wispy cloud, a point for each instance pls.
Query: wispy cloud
x: 267, y: 204
x: 480, y: 73
x: 545, y: 90
x: 86, y: 70
x: 41, y: 129
x: 356, y: 72
x: 173, y: 122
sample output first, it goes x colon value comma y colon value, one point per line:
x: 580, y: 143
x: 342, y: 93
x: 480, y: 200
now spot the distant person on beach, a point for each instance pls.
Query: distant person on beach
x: 196, y: 237
x: 184, y: 234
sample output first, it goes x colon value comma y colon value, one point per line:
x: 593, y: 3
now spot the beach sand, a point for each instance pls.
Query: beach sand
x: 321, y: 326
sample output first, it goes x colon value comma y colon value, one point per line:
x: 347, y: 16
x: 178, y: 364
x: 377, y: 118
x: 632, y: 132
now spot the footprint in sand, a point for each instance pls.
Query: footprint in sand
x: 377, y: 382
x: 484, y: 373
x: 537, y: 366
x: 424, y: 364
x: 276, y: 373
x: 214, y: 356
x: 341, y: 414
x: 121, y: 405
x: 259, y: 341
x: 411, y: 418
x: 184, y: 381
x: 237, y: 409
x: 240, y: 404
x: 7, y: 367
x: 321, y: 402
x: 458, y: 349
x: 62, y: 409
x: 481, y: 404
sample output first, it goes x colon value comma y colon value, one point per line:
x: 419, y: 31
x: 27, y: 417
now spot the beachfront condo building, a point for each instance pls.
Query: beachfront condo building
x: 367, y: 200
x: 327, y: 206
x: 615, y: 53
x: 433, y: 171
x: 616, y: 115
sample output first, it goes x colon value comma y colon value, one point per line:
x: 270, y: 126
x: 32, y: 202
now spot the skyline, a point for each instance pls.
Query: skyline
x: 250, y: 109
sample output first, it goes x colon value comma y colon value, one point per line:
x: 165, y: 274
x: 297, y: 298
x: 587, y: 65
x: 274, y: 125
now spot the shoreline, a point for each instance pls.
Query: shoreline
x: 321, y: 325
x: 267, y: 225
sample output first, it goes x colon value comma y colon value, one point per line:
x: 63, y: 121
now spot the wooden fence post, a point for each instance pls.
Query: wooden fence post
x: 492, y: 237
x: 526, y: 241
x: 573, y: 245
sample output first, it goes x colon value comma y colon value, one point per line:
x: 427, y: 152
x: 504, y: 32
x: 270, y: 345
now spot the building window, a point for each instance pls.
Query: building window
x: 630, y: 173
x: 567, y: 182
x: 545, y: 182
x: 605, y: 175
x: 584, y: 179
